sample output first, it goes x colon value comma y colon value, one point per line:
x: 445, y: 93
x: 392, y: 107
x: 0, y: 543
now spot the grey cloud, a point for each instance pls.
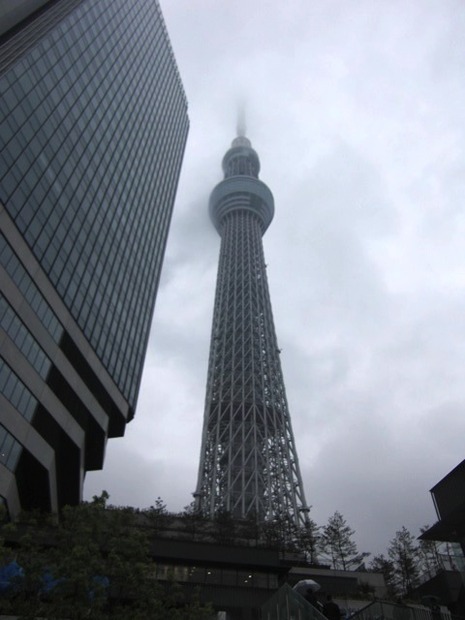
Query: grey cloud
x: 358, y: 119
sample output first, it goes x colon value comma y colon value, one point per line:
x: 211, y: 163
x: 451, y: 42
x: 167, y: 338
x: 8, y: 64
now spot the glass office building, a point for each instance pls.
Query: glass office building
x: 93, y: 125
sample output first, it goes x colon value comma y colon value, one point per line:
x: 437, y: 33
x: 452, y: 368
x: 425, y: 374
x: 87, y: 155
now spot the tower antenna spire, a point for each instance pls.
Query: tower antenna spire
x: 241, y: 124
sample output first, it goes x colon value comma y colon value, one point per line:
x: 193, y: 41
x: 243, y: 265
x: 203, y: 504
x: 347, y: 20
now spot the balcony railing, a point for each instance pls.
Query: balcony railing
x: 381, y: 610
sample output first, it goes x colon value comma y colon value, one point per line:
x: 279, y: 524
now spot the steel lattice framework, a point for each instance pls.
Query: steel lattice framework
x: 248, y: 462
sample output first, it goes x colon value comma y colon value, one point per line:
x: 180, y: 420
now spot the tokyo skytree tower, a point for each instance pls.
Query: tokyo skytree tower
x: 248, y: 461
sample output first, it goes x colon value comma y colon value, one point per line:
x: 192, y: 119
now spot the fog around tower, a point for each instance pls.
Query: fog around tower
x: 356, y: 112
x: 241, y: 128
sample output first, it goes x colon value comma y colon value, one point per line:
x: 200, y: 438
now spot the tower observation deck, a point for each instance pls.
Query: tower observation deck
x: 248, y: 461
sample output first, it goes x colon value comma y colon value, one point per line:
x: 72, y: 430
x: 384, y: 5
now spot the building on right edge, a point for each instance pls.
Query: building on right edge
x: 248, y: 461
x: 449, y: 500
x: 446, y: 584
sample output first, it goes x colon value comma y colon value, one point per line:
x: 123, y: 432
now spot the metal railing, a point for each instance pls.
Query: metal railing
x: 381, y: 610
x: 287, y: 604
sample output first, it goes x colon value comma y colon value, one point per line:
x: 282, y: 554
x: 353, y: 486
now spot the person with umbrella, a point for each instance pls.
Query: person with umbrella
x: 311, y: 598
x: 307, y: 589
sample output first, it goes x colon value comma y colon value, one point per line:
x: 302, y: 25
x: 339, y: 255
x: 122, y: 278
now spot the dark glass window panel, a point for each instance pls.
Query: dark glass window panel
x: 108, y: 125
x: 10, y: 449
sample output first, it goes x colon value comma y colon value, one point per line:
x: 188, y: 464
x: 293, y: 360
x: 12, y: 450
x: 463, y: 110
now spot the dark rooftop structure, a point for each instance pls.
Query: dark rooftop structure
x: 449, y: 500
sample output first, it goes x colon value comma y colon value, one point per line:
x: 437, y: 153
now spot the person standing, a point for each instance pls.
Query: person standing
x: 331, y: 609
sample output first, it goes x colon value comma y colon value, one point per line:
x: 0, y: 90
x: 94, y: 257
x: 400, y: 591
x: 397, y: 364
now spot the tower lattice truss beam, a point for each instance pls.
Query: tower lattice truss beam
x: 248, y: 462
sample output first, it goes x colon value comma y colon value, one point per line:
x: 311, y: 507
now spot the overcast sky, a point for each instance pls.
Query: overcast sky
x: 357, y: 111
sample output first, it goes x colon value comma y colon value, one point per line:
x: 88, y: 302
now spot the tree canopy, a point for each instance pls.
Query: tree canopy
x: 403, y: 552
x: 92, y: 562
x: 337, y: 543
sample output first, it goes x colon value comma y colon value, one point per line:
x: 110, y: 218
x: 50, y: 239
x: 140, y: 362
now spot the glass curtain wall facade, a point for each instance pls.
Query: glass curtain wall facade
x: 93, y: 125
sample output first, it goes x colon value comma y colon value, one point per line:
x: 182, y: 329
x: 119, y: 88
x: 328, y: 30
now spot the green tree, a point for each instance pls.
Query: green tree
x: 224, y: 527
x: 403, y: 553
x: 193, y: 520
x: 251, y: 529
x: 158, y: 515
x: 31, y: 552
x: 98, y: 565
x: 429, y: 555
x: 380, y: 564
x: 280, y: 533
x: 309, y: 540
x: 337, y: 543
